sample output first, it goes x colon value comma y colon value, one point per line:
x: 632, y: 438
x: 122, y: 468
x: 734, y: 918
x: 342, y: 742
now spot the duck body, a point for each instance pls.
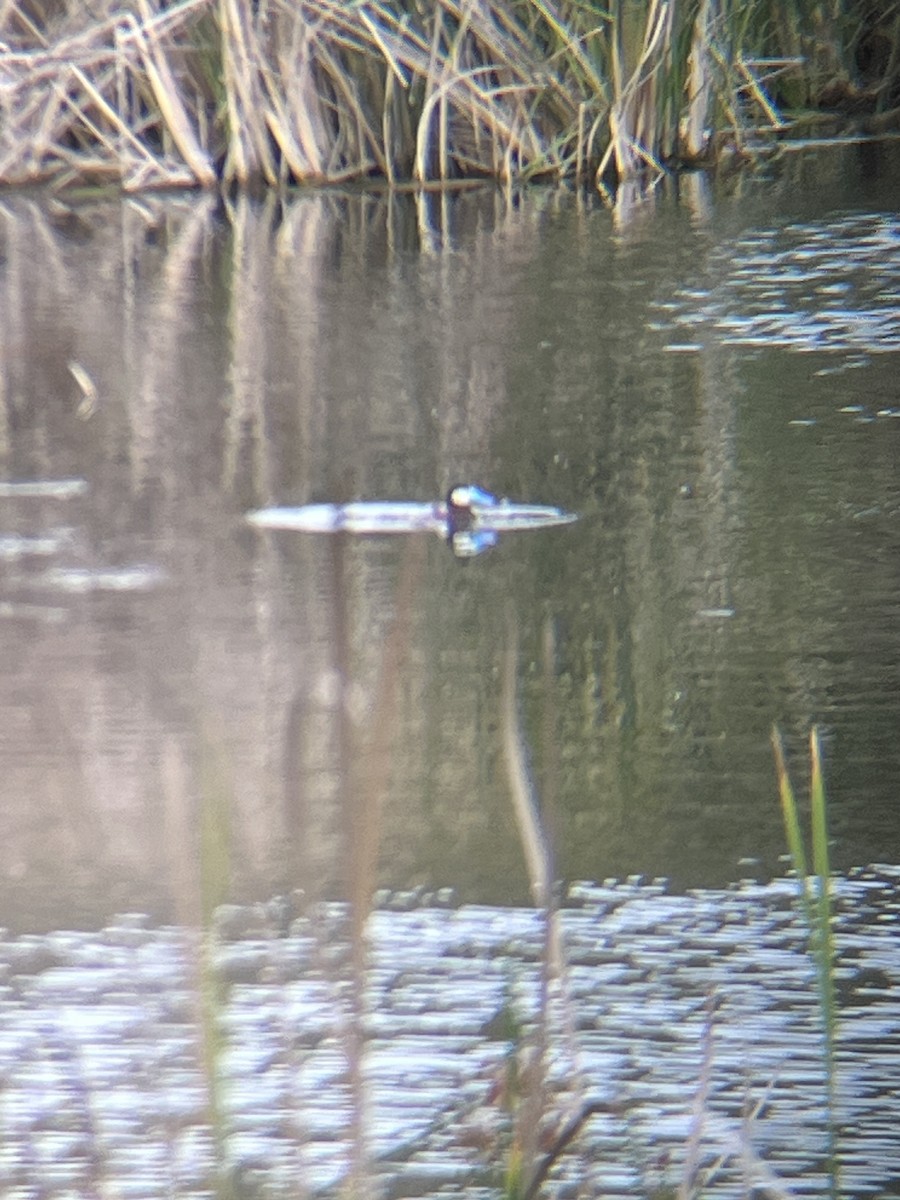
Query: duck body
x: 469, y: 518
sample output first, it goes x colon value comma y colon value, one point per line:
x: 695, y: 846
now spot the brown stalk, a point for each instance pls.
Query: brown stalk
x: 112, y: 117
x: 382, y: 45
x: 688, y: 1185
x: 633, y: 132
x: 113, y: 163
x: 25, y: 20
x: 525, y: 807
x: 435, y: 81
x: 699, y: 82
x: 535, y: 835
x: 757, y: 91
x: 168, y: 98
x: 248, y: 156
x: 53, y: 116
x: 366, y: 137
x: 308, y: 137
x: 595, y: 83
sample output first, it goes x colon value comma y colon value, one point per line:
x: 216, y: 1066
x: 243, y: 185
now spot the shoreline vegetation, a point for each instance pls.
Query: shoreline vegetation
x: 161, y: 94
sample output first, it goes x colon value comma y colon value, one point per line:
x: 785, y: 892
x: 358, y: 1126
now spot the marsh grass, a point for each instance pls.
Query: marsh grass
x: 149, y: 94
x: 545, y: 1122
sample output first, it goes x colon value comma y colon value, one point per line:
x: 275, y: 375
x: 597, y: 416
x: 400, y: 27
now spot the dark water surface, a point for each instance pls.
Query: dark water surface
x: 713, y: 387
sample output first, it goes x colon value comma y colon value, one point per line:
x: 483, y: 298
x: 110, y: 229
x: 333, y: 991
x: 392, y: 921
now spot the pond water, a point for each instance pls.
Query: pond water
x: 711, y: 385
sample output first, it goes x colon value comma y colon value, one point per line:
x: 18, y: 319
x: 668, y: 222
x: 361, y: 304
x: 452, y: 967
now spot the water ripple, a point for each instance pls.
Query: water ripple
x: 819, y: 286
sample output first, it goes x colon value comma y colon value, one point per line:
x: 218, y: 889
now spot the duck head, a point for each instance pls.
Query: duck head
x: 462, y: 499
x: 465, y: 539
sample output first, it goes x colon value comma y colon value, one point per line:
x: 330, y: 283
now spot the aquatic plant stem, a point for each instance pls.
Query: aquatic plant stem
x: 815, y: 896
x: 688, y: 1186
x: 525, y: 806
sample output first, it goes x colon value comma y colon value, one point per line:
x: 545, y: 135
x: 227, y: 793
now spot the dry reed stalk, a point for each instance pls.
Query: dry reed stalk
x: 167, y: 94
x: 572, y: 46
x: 754, y: 88
x: 301, y: 121
x: 699, y: 98
x: 534, y: 1117
x: 525, y: 805
x: 688, y: 1186
x: 726, y: 96
x: 249, y: 156
x: 361, y: 153
x: 12, y: 11
x: 116, y: 148
x: 531, y: 1104
x: 324, y: 90
x: 64, y: 102
x: 485, y: 101
x: 434, y: 83
x: 634, y: 127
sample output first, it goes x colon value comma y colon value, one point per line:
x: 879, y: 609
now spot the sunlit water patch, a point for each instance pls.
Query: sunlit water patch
x: 100, y: 1047
x: 66, y: 545
x: 135, y: 577
x: 819, y: 286
x: 33, y: 489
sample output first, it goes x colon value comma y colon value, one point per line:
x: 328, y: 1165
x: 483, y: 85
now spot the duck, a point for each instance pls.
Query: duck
x: 463, y: 535
x: 462, y: 500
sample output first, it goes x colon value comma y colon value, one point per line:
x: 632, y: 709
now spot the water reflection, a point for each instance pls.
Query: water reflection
x: 730, y: 568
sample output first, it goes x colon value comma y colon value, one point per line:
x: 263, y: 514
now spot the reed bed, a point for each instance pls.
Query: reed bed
x: 193, y: 93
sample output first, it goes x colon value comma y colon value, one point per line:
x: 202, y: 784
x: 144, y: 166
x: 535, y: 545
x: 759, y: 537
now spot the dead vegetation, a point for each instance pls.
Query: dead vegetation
x: 187, y: 93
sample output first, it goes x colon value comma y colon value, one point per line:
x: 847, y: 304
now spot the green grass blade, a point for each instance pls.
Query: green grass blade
x: 817, y: 795
x: 815, y: 890
x: 824, y: 944
x: 824, y: 947
x: 789, y: 810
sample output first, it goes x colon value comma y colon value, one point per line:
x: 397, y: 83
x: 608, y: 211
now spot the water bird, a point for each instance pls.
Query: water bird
x: 470, y: 519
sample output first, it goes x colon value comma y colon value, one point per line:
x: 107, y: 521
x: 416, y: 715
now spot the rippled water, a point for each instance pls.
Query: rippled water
x: 104, y: 1089
x: 712, y: 388
x: 827, y: 286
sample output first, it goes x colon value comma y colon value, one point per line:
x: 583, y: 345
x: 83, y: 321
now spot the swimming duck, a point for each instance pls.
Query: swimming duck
x: 461, y: 502
x: 466, y: 541
x: 469, y: 518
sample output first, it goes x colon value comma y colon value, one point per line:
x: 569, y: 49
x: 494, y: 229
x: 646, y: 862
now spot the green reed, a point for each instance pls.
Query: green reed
x: 816, y: 904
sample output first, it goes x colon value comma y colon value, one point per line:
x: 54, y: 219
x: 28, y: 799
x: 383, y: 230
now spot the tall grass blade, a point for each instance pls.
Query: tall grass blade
x: 525, y: 806
x: 789, y: 810
x: 824, y: 948
x: 815, y: 892
x: 821, y: 864
x: 168, y: 96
